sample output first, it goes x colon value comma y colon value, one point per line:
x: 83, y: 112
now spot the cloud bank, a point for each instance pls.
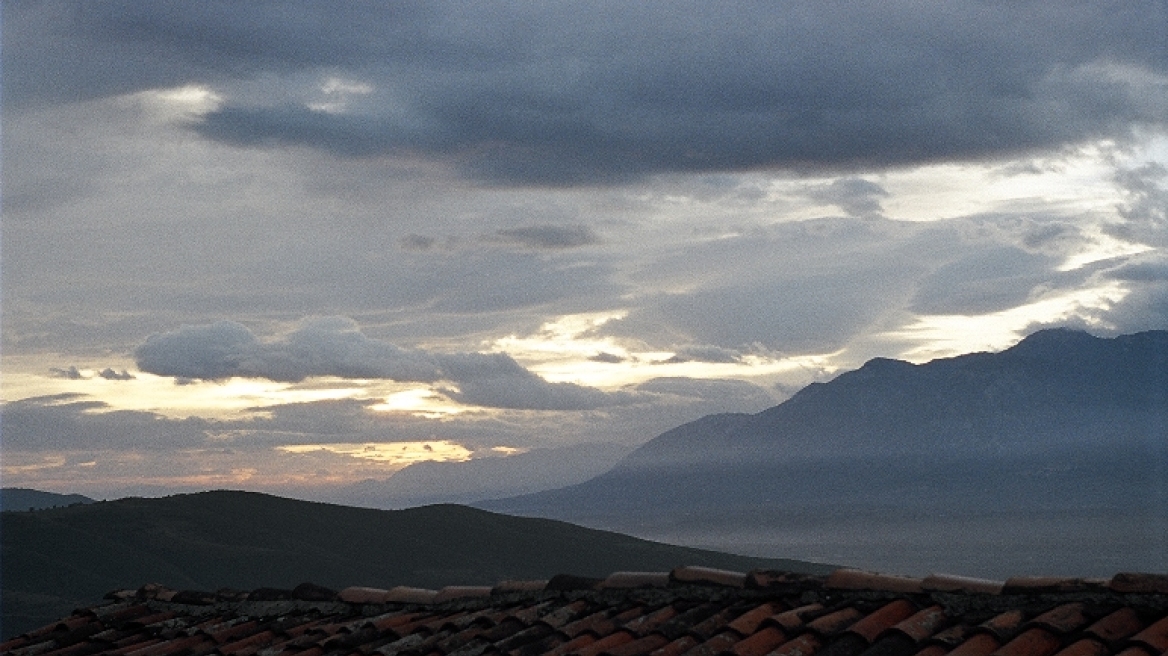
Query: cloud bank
x: 335, y: 346
x: 555, y: 93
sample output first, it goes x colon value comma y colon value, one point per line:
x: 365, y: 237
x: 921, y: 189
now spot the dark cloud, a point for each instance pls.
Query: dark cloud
x: 56, y: 424
x: 110, y: 374
x: 989, y: 279
x: 602, y: 92
x: 72, y: 373
x: 855, y: 196
x: 335, y: 346
x: 608, y: 358
x: 548, y: 236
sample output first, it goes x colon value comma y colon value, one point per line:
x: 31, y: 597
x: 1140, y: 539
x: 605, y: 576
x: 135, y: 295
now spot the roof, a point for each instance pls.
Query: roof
x: 690, y: 611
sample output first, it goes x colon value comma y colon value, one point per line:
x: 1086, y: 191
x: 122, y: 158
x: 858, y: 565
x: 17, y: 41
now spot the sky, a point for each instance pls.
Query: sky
x: 288, y: 246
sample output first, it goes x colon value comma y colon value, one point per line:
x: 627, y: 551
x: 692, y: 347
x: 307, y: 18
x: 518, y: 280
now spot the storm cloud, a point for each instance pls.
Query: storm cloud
x: 556, y: 93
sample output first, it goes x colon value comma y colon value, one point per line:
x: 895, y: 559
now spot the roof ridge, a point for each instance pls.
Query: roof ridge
x: 843, y: 580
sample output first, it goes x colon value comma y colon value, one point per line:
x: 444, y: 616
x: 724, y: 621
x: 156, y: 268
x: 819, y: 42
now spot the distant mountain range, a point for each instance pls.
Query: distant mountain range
x: 52, y: 561
x: 19, y: 498
x: 1062, y: 422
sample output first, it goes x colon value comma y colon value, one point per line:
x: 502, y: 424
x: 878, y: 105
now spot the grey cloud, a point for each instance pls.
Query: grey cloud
x: 855, y: 196
x: 1146, y: 211
x: 110, y: 374
x: 608, y: 358
x: 418, y: 242
x: 732, y: 395
x: 50, y: 424
x: 705, y: 353
x: 548, y: 236
x: 335, y: 346
x: 602, y: 92
x: 72, y: 373
x: 988, y: 279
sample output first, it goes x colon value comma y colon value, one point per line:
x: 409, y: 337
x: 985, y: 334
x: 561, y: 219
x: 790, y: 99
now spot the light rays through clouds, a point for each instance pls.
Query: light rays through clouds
x: 243, y: 242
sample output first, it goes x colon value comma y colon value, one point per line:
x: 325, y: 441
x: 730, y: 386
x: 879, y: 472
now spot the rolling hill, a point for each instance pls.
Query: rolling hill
x: 55, y: 560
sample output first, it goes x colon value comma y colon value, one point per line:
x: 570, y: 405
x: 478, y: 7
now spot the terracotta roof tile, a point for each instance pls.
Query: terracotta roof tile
x: 922, y: 624
x: 1062, y: 619
x: 761, y: 642
x: 1142, y: 583
x: 636, y: 580
x: 1120, y: 624
x: 805, y: 645
x: 952, y: 583
x: 1031, y: 642
x: 708, y: 575
x: 640, y: 646
x: 980, y: 644
x: 748, y: 622
x: 932, y: 650
x: 854, y: 579
x: 676, y: 647
x: 690, y: 612
x: 835, y: 622
x: 875, y: 623
x: 1005, y: 625
x: 1038, y: 584
x: 795, y: 618
x: 1085, y: 647
x: 1155, y: 636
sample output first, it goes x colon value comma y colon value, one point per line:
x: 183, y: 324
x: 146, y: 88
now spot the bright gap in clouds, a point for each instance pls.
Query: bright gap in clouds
x: 941, y: 336
x: 395, y: 454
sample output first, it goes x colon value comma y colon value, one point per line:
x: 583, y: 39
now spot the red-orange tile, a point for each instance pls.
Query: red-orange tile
x: 1004, y: 625
x: 1031, y: 642
x: 980, y: 644
x: 1085, y: 647
x: 1155, y: 636
x: 600, y: 646
x: 1061, y: 619
x: 640, y: 646
x: 761, y: 642
x: 804, y: 645
x: 1116, y: 626
x: 748, y: 622
x: 833, y: 623
x: 922, y: 624
x: 675, y: 648
x: 876, y: 622
x: 794, y: 619
x: 933, y: 650
x: 647, y: 623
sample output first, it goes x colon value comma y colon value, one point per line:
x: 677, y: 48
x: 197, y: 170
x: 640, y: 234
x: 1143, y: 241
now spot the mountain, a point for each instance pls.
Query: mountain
x: 429, y: 482
x: 52, y: 561
x: 1063, y: 422
x: 19, y: 498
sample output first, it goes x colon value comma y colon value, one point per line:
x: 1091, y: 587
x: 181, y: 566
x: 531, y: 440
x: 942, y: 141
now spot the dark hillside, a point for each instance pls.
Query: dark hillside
x: 55, y: 560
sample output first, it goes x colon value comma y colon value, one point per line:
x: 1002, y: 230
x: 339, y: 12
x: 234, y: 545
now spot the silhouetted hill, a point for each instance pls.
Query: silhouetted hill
x: 55, y: 560
x: 1063, y: 421
x: 19, y: 498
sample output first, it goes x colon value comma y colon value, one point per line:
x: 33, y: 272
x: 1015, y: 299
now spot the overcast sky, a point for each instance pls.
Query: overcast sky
x: 271, y: 245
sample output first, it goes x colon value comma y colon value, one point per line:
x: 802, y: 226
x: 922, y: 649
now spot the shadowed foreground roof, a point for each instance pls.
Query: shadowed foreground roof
x: 691, y: 610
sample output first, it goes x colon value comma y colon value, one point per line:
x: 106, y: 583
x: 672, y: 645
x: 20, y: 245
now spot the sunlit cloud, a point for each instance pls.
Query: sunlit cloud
x: 393, y: 454
x: 420, y: 402
x: 938, y: 336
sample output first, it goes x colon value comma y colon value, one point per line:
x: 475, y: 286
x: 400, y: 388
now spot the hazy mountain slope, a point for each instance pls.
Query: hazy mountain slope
x: 483, y: 478
x: 19, y: 498
x: 54, y: 560
x: 1060, y: 420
